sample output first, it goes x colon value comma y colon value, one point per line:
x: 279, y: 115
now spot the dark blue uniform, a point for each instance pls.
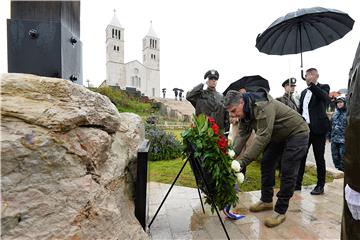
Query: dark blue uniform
x: 337, y: 136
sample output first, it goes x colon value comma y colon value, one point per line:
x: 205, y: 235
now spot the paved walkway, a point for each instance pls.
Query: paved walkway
x: 308, y: 217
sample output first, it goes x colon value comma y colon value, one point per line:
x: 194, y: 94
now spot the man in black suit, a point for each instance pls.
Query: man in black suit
x: 313, y: 102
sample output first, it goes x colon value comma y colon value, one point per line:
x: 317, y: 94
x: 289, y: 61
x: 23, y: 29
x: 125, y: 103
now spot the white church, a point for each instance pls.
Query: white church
x: 144, y: 76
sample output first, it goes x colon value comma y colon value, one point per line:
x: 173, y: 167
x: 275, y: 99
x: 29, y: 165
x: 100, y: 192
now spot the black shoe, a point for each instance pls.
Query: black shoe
x: 297, y: 188
x: 317, y: 190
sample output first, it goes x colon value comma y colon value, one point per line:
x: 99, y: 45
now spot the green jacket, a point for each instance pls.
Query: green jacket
x: 209, y: 103
x: 272, y: 122
x: 288, y: 100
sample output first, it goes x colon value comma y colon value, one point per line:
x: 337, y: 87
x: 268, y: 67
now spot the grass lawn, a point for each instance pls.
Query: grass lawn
x: 166, y: 171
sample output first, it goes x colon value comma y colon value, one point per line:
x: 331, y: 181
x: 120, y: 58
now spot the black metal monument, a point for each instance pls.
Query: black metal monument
x: 44, y: 39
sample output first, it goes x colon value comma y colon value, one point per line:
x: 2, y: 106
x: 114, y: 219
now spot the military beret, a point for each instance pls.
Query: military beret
x: 291, y: 81
x: 212, y: 74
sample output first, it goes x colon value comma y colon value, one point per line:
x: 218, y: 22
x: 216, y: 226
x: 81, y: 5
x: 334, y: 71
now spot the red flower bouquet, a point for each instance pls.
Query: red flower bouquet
x: 212, y: 148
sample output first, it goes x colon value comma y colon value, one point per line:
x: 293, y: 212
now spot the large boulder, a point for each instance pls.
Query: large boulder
x: 67, y: 162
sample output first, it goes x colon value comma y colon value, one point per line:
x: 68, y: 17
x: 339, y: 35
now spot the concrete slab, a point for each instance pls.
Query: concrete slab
x: 308, y: 217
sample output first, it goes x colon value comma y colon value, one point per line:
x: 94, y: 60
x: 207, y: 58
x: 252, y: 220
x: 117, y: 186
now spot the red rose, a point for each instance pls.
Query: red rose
x: 222, y: 143
x: 211, y: 120
x: 215, y: 128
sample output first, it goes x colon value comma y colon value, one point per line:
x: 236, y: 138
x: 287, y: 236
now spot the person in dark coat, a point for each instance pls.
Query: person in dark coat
x: 180, y: 94
x: 313, y: 102
x: 350, y: 224
x: 209, y: 101
x: 176, y: 92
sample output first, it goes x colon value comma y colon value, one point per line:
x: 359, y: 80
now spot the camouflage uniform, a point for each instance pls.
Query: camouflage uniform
x: 337, y: 136
x: 288, y: 100
x: 209, y: 103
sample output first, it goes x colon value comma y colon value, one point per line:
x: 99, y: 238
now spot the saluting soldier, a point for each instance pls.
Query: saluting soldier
x: 208, y: 101
x: 288, y: 98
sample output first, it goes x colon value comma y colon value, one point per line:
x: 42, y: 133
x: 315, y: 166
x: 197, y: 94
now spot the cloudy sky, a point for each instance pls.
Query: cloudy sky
x: 200, y: 35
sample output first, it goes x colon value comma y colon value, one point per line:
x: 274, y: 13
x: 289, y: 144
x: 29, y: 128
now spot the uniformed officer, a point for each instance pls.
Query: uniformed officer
x: 288, y: 98
x: 209, y: 101
x: 278, y: 130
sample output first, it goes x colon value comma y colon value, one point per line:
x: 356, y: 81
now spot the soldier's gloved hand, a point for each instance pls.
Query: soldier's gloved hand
x: 205, y: 84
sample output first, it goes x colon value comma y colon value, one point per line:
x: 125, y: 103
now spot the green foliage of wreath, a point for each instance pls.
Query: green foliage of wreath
x: 211, y: 147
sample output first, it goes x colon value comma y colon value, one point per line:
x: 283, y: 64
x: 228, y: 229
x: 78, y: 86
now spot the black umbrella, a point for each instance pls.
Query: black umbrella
x: 250, y: 83
x: 304, y: 30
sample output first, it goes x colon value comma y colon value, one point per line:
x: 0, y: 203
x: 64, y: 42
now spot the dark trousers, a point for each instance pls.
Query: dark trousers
x: 318, y: 143
x: 292, y: 151
x: 337, y: 152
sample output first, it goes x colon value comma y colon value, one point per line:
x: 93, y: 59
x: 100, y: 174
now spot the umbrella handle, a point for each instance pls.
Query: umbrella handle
x: 302, y: 75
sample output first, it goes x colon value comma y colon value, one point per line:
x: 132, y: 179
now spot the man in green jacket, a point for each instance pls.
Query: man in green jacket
x: 208, y: 101
x: 279, y: 130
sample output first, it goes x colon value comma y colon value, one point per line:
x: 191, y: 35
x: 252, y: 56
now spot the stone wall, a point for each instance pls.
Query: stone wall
x: 67, y: 162
x: 177, y: 110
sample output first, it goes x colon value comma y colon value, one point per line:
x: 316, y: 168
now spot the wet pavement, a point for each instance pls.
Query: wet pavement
x: 308, y: 216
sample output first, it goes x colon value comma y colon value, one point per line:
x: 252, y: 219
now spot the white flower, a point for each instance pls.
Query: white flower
x: 231, y: 153
x: 240, y: 177
x: 235, y: 165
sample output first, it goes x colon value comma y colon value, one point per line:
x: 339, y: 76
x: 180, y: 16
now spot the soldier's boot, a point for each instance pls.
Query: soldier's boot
x: 261, y: 206
x: 275, y: 220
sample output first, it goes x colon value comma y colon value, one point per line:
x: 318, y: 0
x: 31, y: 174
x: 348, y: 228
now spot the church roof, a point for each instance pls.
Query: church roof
x: 151, y: 32
x: 115, y: 21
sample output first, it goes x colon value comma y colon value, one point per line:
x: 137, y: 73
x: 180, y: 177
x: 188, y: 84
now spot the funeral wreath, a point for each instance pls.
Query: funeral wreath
x: 211, y: 147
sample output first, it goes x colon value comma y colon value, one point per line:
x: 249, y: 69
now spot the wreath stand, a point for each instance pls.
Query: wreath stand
x: 199, y: 174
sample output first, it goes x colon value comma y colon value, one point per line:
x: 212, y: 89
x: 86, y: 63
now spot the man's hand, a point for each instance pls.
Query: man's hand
x: 234, y: 120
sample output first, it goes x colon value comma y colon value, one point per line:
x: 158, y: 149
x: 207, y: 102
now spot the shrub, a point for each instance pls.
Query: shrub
x: 123, y: 102
x: 164, y: 146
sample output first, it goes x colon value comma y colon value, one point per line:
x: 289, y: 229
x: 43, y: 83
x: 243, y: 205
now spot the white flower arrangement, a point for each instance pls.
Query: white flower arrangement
x: 231, y: 153
x: 240, y: 177
x: 235, y: 165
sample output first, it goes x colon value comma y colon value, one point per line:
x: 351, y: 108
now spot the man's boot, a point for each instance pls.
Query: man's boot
x: 275, y: 220
x: 261, y: 206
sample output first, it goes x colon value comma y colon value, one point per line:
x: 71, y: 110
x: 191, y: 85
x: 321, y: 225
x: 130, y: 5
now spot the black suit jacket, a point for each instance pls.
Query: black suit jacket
x: 319, y: 121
